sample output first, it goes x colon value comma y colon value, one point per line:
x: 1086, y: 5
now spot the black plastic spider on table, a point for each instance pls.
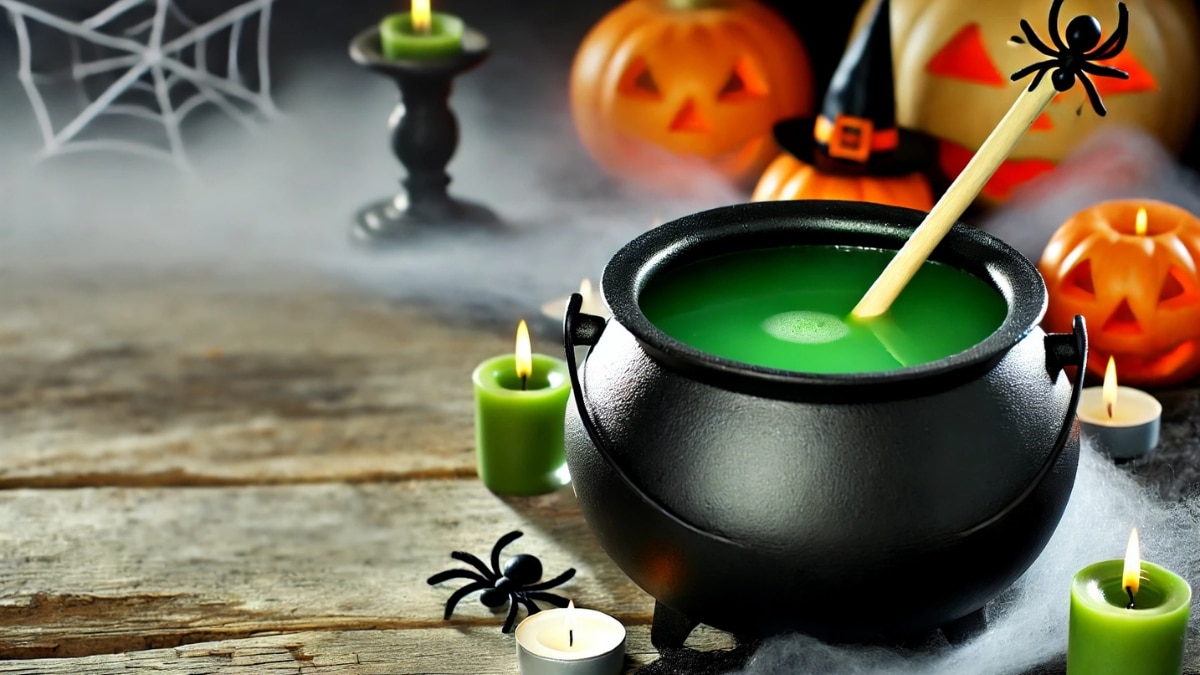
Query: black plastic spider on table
x: 514, y: 583
x: 1074, y: 57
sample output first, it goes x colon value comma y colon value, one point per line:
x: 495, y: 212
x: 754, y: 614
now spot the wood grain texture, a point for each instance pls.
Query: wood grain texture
x: 214, y: 382
x: 91, y: 571
x: 382, y: 652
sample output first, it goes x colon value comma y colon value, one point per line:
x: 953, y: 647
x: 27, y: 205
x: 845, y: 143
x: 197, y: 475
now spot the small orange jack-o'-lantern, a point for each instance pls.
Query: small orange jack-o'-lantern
x: 852, y: 151
x: 1132, y: 269
x: 953, y: 63
x: 687, y: 81
x: 790, y: 178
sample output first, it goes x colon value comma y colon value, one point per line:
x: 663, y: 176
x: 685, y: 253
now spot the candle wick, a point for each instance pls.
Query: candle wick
x: 570, y: 638
x: 1109, y: 408
x: 1129, y: 590
x: 525, y: 380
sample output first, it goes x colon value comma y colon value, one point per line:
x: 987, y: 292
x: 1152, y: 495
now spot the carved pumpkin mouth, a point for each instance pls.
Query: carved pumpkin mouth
x: 1160, y: 364
x: 1012, y: 173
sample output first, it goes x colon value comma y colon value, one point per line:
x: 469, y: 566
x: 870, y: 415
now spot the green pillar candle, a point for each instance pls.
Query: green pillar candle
x: 788, y: 308
x: 519, y: 433
x: 1106, y: 638
x: 399, y: 38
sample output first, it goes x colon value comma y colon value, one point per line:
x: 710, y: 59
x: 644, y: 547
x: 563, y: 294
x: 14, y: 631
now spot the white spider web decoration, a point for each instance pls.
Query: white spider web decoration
x: 147, y: 59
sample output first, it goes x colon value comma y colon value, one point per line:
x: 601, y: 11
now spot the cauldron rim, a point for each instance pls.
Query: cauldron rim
x: 768, y: 224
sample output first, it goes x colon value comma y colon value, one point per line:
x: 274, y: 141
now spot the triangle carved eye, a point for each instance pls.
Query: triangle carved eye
x: 1079, y: 281
x: 645, y: 82
x: 964, y: 57
x: 638, y: 81
x: 1140, y: 79
x: 1176, y: 288
x: 735, y: 85
x: 745, y: 82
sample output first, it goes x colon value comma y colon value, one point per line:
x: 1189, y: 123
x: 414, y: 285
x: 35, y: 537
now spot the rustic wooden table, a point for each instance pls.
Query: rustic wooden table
x: 209, y: 476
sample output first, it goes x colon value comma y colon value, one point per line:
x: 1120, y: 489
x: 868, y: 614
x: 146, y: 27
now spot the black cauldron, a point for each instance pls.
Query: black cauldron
x: 855, y: 508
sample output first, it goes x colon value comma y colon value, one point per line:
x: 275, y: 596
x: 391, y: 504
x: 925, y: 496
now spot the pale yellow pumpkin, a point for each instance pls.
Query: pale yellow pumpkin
x: 953, y: 61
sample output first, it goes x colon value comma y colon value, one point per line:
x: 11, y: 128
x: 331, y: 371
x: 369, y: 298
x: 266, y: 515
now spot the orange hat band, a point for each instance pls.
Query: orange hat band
x: 854, y: 138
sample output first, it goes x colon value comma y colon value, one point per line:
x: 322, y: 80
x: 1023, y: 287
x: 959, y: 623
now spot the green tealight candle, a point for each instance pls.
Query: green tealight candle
x: 400, y: 38
x: 519, y: 428
x: 789, y: 307
x: 1106, y: 637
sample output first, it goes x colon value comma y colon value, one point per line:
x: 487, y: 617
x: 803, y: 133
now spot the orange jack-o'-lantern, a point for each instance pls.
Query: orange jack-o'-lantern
x: 1135, y: 277
x: 790, y: 178
x: 661, y: 84
x: 953, y: 61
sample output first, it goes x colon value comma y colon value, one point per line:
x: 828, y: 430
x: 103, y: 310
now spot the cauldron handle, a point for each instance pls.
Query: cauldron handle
x: 1068, y: 349
x: 581, y: 329
x: 1062, y: 350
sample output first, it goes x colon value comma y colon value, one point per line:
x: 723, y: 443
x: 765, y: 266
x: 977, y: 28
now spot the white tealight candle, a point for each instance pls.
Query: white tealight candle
x: 1121, y: 422
x: 570, y: 641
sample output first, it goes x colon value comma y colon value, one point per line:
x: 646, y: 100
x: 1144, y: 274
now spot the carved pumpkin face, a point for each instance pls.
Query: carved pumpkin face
x: 701, y: 81
x: 953, y: 63
x: 789, y: 178
x: 1140, y: 293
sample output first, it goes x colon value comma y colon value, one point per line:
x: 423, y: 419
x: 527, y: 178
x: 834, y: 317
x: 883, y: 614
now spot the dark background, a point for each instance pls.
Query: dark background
x: 287, y: 189
x: 561, y: 24
x: 543, y: 34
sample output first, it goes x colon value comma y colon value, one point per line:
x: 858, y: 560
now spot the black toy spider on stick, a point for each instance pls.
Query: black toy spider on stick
x: 1074, y: 57
x: 514, y: 583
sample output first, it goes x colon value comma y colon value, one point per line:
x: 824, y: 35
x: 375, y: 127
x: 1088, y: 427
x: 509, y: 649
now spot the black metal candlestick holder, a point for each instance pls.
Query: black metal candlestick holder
x: 424, y: 138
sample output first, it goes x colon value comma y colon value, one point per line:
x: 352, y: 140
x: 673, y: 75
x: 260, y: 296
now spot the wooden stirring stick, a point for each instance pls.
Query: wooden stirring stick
x: 955, y: 201
x: 1072, y: 60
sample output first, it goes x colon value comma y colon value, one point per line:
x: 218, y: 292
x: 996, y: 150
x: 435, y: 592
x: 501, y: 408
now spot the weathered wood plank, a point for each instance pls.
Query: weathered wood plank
x: 469, y: 650
x: 201, y: 381
x: 90, y: 571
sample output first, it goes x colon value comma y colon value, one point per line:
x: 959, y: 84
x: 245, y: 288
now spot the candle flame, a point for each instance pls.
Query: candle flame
x: 1132, y: 577
x: 1139, y: 225
x: 570, y: 622
x: 422, y: 16
x: 585, y: 289
x: 524, y: 351
x: 1108, y: 393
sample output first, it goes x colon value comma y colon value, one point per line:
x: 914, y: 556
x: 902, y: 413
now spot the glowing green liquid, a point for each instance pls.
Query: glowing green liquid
x: 787, y: 308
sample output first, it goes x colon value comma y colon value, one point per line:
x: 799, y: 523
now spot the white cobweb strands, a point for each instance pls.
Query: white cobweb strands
x: 147, y: 60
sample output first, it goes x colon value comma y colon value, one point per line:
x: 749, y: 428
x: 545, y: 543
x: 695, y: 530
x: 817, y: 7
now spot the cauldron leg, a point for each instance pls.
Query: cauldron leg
x: 670, y: 629
x: 961, y: 630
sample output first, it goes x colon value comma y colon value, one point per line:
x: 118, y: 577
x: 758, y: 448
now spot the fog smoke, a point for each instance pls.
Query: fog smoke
x: 1116, y: 163
x: 284, y: 197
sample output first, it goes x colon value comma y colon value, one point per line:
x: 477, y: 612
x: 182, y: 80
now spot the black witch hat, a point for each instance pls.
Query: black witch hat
x: 856, y: 131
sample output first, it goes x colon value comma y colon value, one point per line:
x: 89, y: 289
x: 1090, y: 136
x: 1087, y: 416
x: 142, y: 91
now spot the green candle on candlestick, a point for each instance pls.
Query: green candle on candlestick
x: 420, y: 34
x: 520, y: 407
x: 1108, y: 637
x: 788, y: 308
